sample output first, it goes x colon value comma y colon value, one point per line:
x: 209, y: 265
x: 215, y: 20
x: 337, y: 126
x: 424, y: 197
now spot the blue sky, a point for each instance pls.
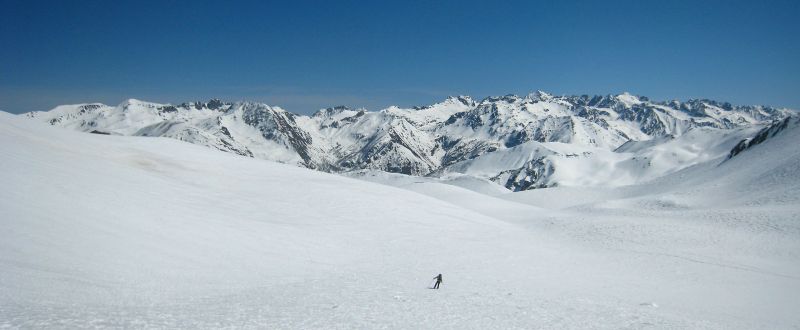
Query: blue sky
x: 305, y: 55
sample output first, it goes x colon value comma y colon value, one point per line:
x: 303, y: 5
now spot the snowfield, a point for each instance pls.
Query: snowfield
x: 146, y: 232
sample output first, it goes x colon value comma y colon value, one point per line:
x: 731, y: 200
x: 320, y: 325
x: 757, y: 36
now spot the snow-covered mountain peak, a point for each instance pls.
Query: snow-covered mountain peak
x: 508, y: 98
x: 255, y: 106
x: 338, y: 111
x: 81, y: 107
x: 628, y: 100
x: 131, y: 103
x: 212, y: 104
x: 458, y: 100
x: 540, y: 95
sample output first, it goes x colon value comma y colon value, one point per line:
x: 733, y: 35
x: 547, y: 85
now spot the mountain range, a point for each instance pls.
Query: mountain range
x: 519, y: 142
x: 681, y: 228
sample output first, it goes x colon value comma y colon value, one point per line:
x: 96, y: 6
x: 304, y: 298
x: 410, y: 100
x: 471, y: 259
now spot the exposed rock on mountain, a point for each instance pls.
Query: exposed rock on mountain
x: 766, y: 133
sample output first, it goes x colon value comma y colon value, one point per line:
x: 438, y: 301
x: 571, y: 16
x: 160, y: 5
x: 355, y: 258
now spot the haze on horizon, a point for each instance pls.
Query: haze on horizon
x: 309, y: 55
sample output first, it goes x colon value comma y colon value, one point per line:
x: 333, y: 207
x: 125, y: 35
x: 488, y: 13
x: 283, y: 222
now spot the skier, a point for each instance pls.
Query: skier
x: 438, y: 279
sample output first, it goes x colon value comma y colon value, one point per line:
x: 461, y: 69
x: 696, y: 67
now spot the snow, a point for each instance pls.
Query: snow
x: 628, y: 100
x: 125, y: 231
x: 428, y: 140
x: 429, y: 116
x: 635, y: 162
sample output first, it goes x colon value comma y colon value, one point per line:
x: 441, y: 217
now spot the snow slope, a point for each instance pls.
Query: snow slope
x: 549, y: 164
x: 113, y: 231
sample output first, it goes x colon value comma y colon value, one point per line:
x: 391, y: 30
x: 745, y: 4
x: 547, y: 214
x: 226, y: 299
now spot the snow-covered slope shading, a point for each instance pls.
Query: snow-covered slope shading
x: 521, y: 143
x: 112, y: 231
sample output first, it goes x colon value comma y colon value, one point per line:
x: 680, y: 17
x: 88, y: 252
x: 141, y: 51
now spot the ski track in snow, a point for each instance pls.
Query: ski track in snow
x: 122, y: 232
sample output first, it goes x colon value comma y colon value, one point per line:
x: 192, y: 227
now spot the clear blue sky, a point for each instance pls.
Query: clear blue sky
x: 308, y: 55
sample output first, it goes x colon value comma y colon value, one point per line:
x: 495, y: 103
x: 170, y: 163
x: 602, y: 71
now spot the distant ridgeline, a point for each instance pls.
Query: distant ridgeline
x: 535, y: 141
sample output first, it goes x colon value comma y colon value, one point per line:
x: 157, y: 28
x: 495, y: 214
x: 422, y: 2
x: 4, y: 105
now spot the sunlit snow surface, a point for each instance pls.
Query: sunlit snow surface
x: 114, y: 231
